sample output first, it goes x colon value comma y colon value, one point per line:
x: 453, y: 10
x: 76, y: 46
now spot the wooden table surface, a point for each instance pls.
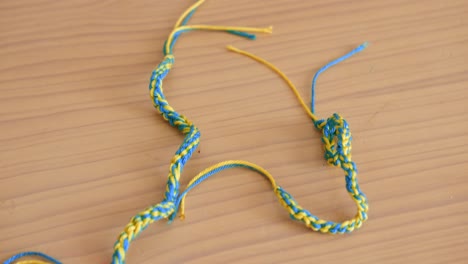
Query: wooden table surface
x: 83, y: 150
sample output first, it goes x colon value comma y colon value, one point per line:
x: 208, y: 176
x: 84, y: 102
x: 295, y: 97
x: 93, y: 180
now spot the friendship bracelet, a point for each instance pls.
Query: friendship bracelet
x: 336, y: 139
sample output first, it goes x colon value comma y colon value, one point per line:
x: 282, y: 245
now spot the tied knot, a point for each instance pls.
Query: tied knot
x: 336, y: 138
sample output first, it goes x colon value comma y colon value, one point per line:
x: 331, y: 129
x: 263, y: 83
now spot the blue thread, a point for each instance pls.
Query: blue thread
x: 175, y: 38
x: 187, y: 18
x: 330, y: 64
x: 243, y: 34
x: 31, y: 254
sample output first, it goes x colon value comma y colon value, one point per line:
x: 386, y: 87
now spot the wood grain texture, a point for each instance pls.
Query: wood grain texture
x: 82, y: 149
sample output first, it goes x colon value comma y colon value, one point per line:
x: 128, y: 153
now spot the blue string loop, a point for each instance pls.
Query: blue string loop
x: 31, y: 254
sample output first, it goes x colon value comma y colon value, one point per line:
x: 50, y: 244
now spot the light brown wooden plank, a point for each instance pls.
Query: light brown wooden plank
x: 82, y: 149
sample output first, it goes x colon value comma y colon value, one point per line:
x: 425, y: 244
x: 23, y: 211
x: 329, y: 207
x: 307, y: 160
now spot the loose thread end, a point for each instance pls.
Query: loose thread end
x: 243, y: 34
x: 232, y: 48
x: 182, y: 209
x: 362, y: 46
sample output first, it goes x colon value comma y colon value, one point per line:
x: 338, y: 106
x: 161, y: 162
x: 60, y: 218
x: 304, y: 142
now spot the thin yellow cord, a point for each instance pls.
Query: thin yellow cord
x: 223, y: 164
x: 268, y: 30
x: 184, y: 15
x: 281, y: 74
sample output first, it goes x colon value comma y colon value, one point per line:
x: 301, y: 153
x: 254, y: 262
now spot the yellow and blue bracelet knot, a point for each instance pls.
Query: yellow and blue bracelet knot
x: 336, y: 138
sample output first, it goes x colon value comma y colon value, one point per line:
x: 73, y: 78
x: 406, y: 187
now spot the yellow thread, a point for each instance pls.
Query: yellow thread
x: 268, y: 30
x: 184, y: 15
x: 222, y: 164
x: 280, y: 73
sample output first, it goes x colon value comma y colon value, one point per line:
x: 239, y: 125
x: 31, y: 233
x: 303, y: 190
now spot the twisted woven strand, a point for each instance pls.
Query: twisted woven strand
x: 336, y: 138
x: 191, y: 140
x: 192, y: 134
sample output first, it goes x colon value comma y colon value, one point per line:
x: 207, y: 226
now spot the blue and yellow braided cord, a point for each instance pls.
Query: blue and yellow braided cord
x: 336, y: 138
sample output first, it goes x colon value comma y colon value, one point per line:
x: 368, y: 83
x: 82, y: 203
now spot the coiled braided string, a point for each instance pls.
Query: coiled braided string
x: 336, y: 138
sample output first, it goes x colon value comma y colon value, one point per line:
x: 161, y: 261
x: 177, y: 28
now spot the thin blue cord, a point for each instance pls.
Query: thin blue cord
x: 184, y: 22
x: 330, y: 64
x: 187, y: 18
x: 29, y: 254
x: 243, y: 34
x: 234, y: 32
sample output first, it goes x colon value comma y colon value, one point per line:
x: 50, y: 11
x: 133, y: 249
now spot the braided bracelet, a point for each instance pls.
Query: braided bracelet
x: 336, y: 138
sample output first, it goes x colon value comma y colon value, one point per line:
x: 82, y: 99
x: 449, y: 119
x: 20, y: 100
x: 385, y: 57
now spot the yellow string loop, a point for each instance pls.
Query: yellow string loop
x: 236, y: 163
